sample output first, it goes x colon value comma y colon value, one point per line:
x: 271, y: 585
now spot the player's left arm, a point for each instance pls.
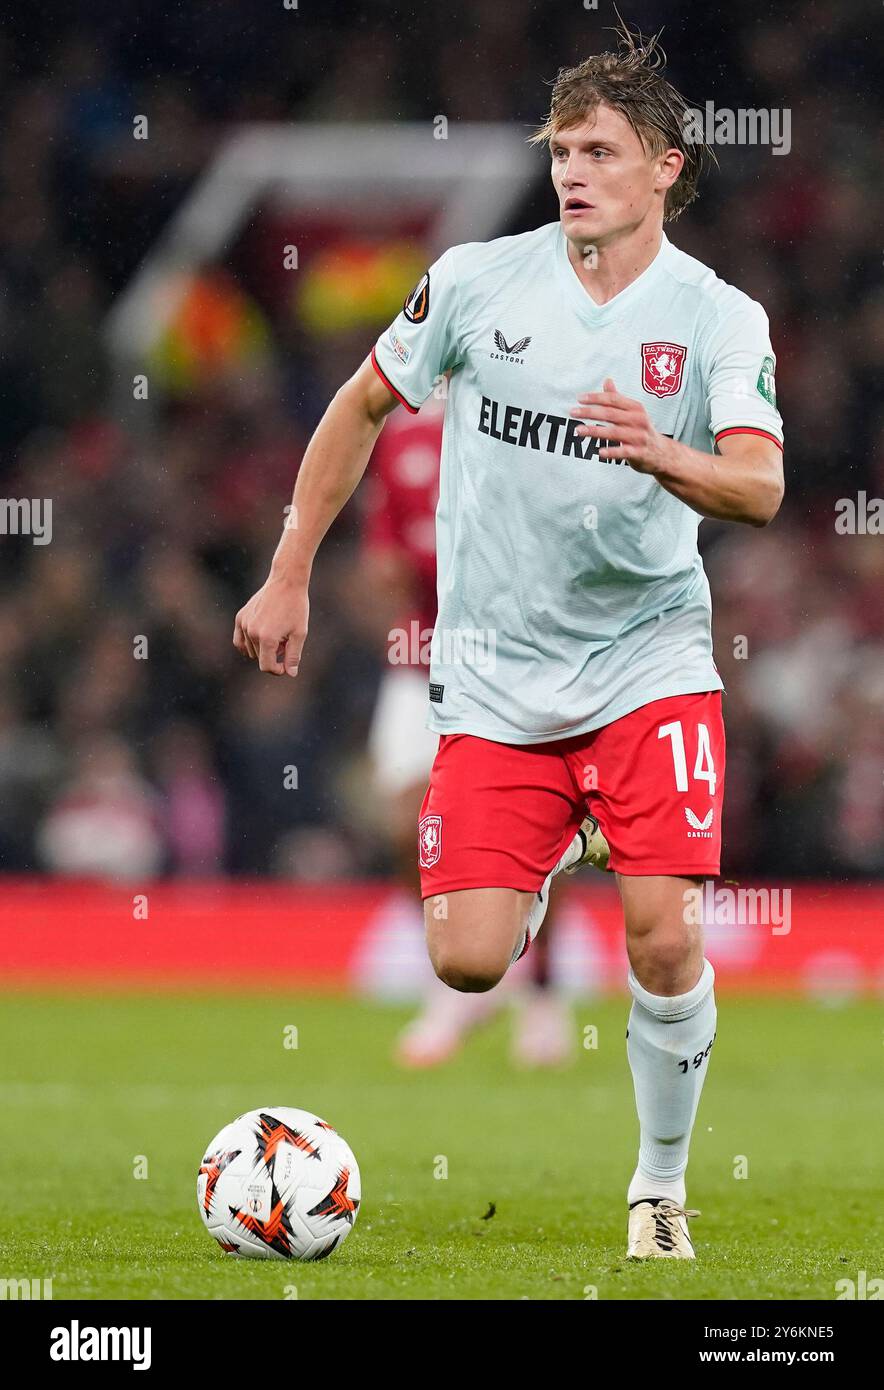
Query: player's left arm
x: 742, y: 483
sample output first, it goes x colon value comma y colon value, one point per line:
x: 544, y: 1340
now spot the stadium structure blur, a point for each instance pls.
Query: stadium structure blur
x: 170, y: 765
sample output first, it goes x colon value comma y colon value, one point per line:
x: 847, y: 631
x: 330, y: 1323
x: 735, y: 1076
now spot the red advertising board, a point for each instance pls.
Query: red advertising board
x: 270, y: 935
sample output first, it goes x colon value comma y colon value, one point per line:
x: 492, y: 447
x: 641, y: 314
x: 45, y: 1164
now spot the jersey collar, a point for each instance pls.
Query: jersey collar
x: 599, y: 314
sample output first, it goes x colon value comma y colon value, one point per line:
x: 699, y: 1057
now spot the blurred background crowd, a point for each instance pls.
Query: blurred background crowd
x: 166, y: 756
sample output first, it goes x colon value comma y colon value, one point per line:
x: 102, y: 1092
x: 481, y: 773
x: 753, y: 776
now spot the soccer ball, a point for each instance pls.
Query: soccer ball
x: 278, y: 1184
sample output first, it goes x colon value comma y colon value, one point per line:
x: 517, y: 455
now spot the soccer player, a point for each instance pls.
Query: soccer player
x: 607, y: 392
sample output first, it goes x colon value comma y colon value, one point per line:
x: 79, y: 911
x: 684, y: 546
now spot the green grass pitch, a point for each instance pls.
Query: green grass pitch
x: 90, y: 1083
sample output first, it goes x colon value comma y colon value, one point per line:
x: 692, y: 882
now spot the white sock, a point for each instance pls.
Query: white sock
x: 538, y: 908
x: 663, y: 1033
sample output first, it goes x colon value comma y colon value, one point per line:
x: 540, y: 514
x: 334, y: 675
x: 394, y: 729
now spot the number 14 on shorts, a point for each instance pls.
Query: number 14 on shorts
x: 704, y: 766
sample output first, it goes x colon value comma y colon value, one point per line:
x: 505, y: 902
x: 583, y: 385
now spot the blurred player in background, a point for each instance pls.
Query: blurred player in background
x: 402, y: 490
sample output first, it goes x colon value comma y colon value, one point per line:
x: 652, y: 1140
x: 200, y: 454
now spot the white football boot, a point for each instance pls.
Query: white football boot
x: 545, y: 1032
x: 596, y: 849
x: 658, y: 1230
x: 444, y: 1023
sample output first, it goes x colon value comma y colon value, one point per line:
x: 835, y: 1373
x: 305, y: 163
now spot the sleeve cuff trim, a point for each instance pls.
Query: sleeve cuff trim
x: 389, y: 385
x: 748, y: 429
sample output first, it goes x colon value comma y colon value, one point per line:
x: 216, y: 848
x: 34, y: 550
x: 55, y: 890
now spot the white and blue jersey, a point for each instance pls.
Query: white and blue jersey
x: 570, y: 588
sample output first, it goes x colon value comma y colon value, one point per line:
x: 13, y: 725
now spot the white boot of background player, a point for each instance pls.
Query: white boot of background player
x: 589, y: 846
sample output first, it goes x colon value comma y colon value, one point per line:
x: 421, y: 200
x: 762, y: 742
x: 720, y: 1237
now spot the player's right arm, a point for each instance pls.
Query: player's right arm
x: 272, y: 627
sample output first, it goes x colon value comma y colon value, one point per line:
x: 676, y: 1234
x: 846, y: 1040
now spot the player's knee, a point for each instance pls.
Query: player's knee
x: 470, y: 939
x: 467, y: 972
x: 465, y: 961
x: 659, y: 958
x: 468, y: 981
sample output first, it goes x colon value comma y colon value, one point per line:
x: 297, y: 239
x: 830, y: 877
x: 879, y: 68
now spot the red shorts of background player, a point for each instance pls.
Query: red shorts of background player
x: 502, y: 814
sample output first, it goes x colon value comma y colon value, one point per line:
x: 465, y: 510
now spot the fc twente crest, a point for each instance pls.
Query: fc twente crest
x: 429, y: 834
x: 662, y: 367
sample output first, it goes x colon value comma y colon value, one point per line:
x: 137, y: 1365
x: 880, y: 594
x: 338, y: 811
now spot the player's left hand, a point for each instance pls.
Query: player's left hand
x: 626, y: 423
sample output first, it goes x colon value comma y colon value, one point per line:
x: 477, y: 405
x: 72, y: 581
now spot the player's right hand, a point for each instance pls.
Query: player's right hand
x: 272, y: 627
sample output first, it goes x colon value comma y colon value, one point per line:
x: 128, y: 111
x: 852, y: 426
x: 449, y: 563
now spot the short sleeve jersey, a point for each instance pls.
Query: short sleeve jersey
x: 570, y: 588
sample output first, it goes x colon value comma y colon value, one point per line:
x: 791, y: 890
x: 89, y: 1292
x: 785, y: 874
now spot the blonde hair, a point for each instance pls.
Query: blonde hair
x: 631, y: 82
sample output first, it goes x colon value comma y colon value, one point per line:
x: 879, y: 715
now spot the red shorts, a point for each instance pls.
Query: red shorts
x: 502, y: 814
